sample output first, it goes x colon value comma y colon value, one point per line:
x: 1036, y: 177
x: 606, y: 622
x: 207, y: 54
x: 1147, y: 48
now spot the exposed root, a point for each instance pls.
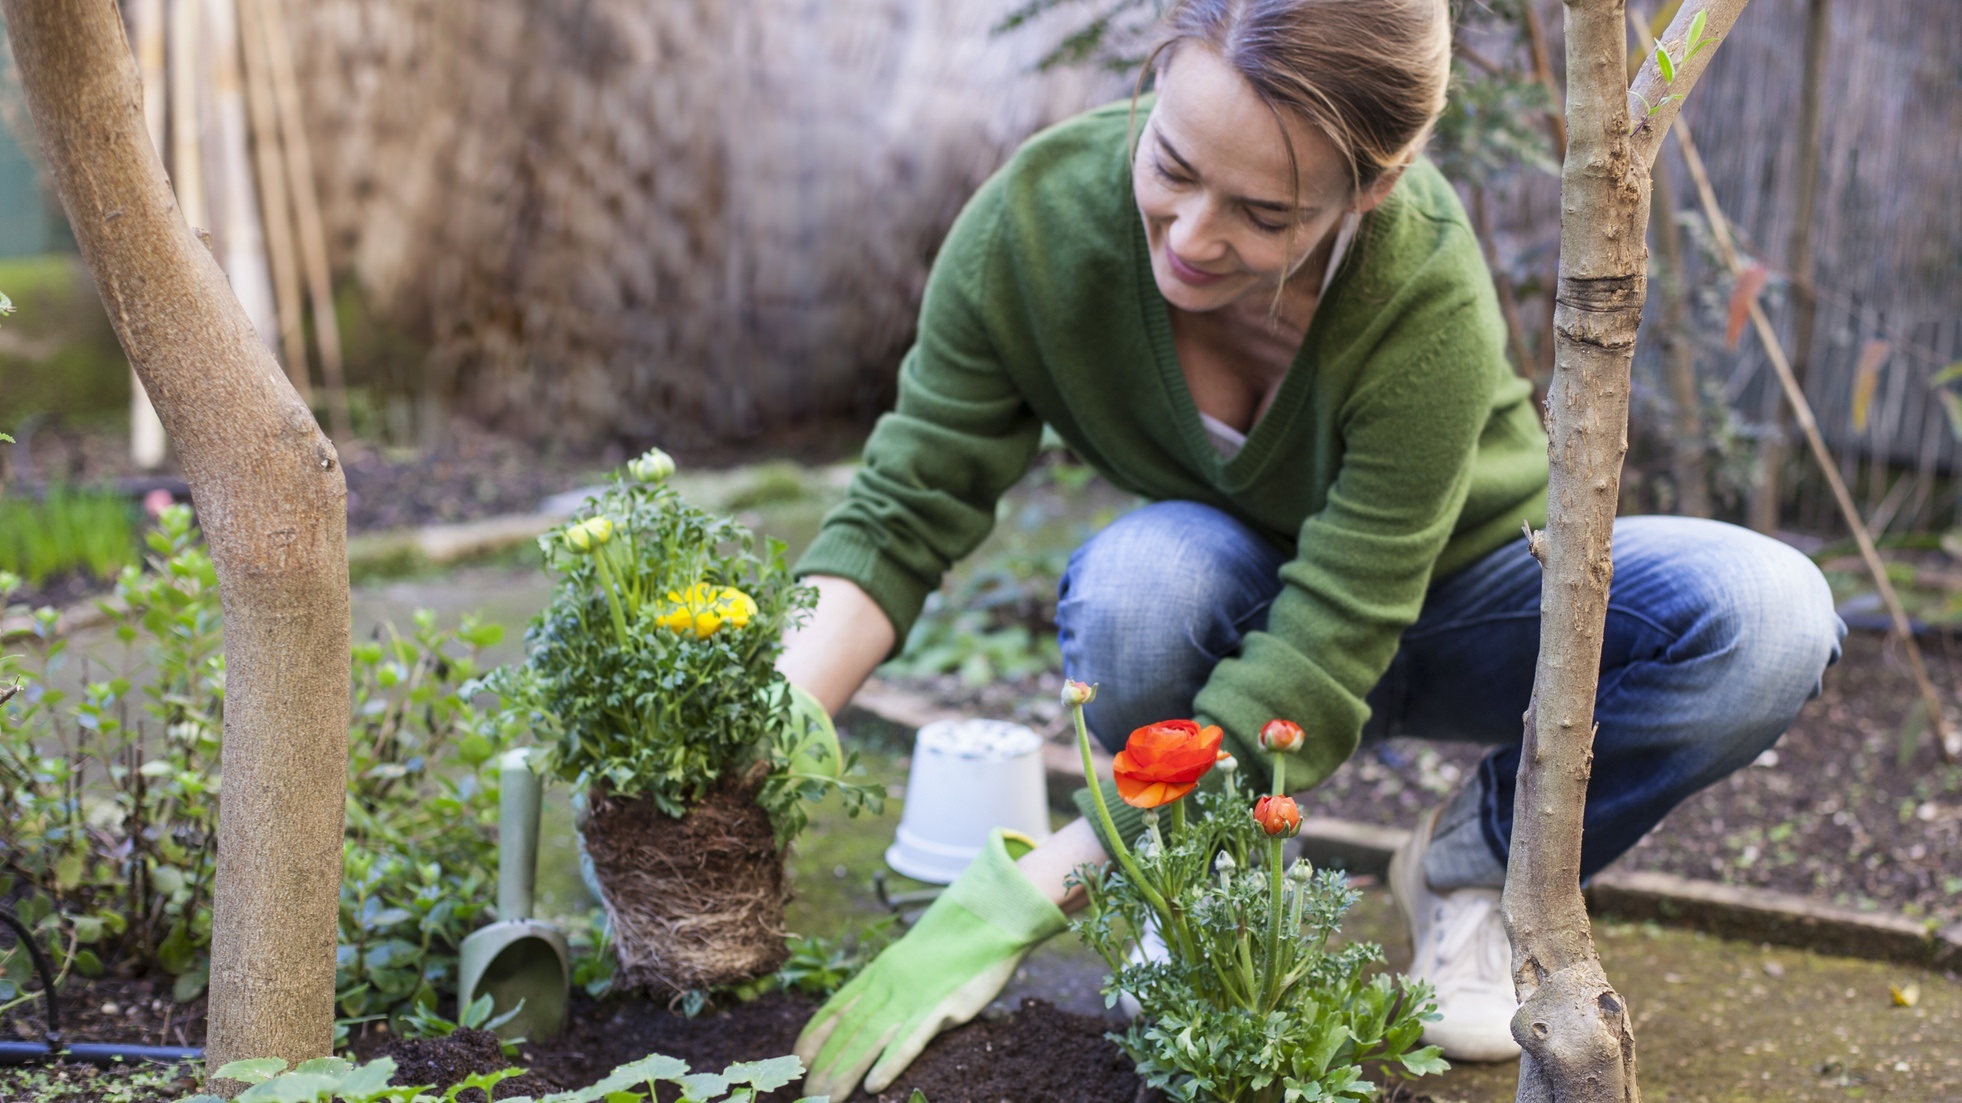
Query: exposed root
x: 697, y: 901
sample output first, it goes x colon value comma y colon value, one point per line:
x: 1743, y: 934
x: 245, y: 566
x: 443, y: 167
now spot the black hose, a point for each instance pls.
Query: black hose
x: 41, y: 967
x: 90, y: 1053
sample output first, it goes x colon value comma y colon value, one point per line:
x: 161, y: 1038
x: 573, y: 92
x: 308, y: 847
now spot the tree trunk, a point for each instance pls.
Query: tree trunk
x: 272, y: 501
x: 1574, y: 1028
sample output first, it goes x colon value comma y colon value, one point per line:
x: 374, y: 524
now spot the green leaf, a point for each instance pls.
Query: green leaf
x: 326, y: 1066
x: 292, y: 1087
x: 1430, y: 1059
x: 87, y: 963
x: 765, y: 1076
x: 1946, y: 375
x: 256, y: 1070
x: 1665, y: 63
x: 699, y: 1087
x: 1952, y: 406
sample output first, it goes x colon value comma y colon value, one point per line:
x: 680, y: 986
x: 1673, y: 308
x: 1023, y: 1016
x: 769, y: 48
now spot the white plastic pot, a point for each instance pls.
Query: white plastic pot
x: 968, y: 778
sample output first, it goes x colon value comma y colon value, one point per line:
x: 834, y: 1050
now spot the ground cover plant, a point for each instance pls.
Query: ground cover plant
x: 92, y: 532
x: 111, y: 794
x: 326, y: 1079
x: 1248, y: 1005
x: 651, y: 680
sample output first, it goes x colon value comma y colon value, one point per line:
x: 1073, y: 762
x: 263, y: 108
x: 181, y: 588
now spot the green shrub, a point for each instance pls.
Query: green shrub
x: 109, y: 800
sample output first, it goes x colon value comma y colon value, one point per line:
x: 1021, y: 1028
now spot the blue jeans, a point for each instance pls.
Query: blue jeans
x: 1716, y: 636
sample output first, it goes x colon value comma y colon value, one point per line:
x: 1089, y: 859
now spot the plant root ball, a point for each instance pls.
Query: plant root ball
x: 696, y: 901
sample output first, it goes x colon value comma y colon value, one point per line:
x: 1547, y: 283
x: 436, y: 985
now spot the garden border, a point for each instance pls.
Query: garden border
x: 1728, y: 911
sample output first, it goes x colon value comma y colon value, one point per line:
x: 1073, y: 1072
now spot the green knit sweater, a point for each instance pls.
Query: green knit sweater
x: 1400, y: 447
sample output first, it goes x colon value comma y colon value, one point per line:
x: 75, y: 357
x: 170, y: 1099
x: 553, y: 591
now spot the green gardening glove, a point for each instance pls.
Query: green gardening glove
x: 954, y: 960
x: 813, y: 740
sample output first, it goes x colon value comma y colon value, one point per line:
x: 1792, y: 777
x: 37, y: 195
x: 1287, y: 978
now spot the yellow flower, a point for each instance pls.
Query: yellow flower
x: 704, y: 609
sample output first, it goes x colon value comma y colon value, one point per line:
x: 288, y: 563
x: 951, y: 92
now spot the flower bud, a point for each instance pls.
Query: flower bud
x: 1224, y: 863
x: 1281, y: 736
x: 1076, y: 694
x: 651, y: 467
x: 1226, y: 763
x: 1278, y: 816
x: 589, y: 534
x: 1301, y: 872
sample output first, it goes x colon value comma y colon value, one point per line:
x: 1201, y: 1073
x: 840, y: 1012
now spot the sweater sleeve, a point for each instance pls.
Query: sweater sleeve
x: 959, y: 436
x: 1362, y: 563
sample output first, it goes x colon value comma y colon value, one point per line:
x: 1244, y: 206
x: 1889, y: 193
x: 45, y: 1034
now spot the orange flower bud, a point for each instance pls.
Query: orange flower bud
x: 1278, y: 816
x: 1164, y: 761
x: 1078, y: 693
x: 1281, y: 736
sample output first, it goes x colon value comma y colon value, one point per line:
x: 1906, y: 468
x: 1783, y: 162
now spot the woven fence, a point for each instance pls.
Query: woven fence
x: 691, y: 219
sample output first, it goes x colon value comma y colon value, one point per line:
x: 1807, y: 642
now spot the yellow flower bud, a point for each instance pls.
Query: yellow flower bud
x: 589, y: 534
x: 652, y: 467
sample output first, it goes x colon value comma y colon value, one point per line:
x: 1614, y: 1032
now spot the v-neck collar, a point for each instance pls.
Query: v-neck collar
x: 1244, y: 467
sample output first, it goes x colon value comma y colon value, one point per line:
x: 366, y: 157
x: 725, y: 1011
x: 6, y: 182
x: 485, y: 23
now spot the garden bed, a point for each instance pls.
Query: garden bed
x: 1851, y: 807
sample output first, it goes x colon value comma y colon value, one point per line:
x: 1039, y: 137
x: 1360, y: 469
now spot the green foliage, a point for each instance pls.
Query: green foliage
x: 1492, y: 126
x: 652, y: 670
x: 818, y: 967
x: 421, y: 816
x: 997, y: 624
x: 1238, y: 1014
x: 92, y: 531
x: 111, y: 797
x: 327, y: 1079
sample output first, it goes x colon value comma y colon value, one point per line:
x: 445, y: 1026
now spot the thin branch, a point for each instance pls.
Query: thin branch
x: 1665, y: 97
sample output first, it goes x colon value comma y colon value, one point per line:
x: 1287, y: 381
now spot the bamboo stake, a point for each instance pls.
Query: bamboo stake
x: 273, y: 207
x: 1947, y: 739
x: 234, y: 204
x: 146, y: 433
x: 306, y: 212
x: 1818, y: 25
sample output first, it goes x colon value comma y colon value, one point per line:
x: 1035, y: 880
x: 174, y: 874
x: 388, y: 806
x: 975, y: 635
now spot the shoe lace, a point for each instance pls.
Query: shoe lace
x: 1471, y: 939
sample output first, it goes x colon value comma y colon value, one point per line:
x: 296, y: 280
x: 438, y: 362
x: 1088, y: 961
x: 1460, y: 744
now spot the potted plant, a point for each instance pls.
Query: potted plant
x: 1248, y: 1004
x: 651, y: 678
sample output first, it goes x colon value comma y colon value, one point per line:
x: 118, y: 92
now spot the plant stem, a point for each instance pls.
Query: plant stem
x: 612, y: 598
x: 1272, y: 974
x: 1178, y: 817
x: 1123, y: 853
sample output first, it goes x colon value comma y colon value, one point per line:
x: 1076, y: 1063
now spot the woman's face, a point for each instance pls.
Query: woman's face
x: 1213, y: 185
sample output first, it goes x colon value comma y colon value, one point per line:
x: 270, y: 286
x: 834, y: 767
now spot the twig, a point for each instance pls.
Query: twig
x: 1947, y: 739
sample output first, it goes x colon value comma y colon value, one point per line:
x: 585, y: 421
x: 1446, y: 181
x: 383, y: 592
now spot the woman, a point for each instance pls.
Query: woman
x: 1251, y: 301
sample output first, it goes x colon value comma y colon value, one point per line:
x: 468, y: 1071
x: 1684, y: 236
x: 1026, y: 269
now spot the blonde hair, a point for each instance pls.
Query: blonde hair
x: 1370, y: 74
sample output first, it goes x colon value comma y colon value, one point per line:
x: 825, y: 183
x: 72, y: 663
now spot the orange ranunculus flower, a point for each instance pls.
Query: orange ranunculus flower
x: 1280, y: 817
x: 1164, y: 761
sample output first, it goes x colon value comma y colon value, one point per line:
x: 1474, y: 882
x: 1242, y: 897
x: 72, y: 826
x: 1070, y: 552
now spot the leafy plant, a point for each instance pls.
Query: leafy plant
x: 998, y: 623
x: 110, y: 797
x: 1250, y: 1004
x: 326, y: 1079
x: 652, y: 671
x: 819, y: 966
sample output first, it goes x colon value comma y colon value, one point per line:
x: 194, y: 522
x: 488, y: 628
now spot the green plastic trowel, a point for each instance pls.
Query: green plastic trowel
x: 517, y: 957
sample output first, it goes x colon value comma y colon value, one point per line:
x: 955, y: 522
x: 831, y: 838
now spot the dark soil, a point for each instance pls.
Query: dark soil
x: 111, y: 1009
x: 1843, y: 809
x: 1038, y: 1054
x: 440, y: 1062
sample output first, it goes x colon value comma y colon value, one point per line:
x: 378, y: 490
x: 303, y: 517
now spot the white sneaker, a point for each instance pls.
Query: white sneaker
x: 1461, y: 948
